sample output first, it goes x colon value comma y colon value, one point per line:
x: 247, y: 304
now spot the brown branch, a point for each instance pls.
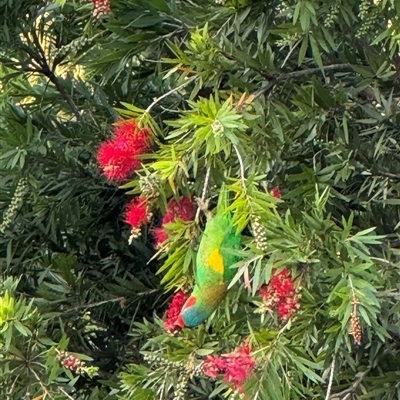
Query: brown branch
x: 92, y: 305
x: 298, y: 74
x: 121, y: 299
x: 42, y: 67
x: 39, y: 47
x: 389, y: 294
x: 47, y: 71
x: 28, y: 48
x: 347, y: 392
x: 311, y: 71
x: 385, y: 175
x: 60, y: 88
x: 11, y: 390
x: 331, y: 374
x: 46, y: 393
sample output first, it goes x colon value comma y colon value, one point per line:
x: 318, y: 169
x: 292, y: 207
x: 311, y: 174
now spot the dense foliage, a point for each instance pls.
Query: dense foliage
x: 242, y: 98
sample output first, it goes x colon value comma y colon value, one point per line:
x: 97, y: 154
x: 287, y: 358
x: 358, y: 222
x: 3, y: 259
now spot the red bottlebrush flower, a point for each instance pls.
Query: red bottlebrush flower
x: 71, y: 362
x: 276, y: 192
x: 183, y: 209
x: 101, y: 8
x: 213, y: 366
x: 282, y: 284
x: 280, y: 294
x: 236, y: 367
x: 117, y: 157
x: 174, y: 310
x: 264, y: 292
x: 137, y: 213
x: 117, y: 160
x: 160, y: 236
x: 288, y: 307
x: 127, y: 131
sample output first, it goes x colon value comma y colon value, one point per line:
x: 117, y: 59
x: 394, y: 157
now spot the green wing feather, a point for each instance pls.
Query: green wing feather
x: 214, y: 257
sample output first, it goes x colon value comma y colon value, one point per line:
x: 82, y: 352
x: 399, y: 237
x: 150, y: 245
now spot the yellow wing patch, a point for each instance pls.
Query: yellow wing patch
x: 216, y: 262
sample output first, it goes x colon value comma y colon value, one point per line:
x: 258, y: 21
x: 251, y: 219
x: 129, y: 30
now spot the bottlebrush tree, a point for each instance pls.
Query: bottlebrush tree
x: 286, y: 108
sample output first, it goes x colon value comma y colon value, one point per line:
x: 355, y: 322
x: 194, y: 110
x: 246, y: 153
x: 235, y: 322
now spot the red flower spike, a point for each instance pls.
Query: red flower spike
x: 213, y: 366
x: 174, y: 310
x: 183, y: 209
x: 280, y: 294
x: 160, y: 236
x: 101, y: 8
x: 287, y: 308
x: 276, y: 192
x: 116, y: 160
x: 137, y: 213
x: 127, y: 131
x: 236, y: 367
x: 117, y: 157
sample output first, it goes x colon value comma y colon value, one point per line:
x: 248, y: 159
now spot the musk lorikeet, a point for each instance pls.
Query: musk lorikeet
x: 213, y: 272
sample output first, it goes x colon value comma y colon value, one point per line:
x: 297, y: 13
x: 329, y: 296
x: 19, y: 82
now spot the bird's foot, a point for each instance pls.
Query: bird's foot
x: 203, y: 206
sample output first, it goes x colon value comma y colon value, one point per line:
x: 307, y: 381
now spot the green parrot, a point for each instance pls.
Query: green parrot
x: 213, y: 271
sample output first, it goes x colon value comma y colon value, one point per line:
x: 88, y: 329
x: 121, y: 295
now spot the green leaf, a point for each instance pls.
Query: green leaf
x: 303, y: 49
x: 316, y: 52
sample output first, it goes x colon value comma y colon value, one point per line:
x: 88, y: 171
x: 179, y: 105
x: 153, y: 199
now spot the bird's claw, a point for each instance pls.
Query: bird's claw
x: 203, y: 205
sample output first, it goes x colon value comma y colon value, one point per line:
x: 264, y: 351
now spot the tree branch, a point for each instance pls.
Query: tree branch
x: 184, y: 84
x: 298, y: 74
x: 328, y: 391
x: 60, y: 88
x: 121, y: 299
x: 62, y: 390
x: 345, y: 393
x: 385, y: 175
x: 46, y: 393
x: 389, y: 294
x: 39, y: 47
x: 42, y: 67
x: 203, y: 195
x: 311, y: 71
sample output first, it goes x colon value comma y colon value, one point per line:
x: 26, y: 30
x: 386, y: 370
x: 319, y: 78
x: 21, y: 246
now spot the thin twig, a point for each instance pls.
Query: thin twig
x: 100, y: 303
x: 328, y: 391
x: 45, y: 391
x: 203, y: 193
x: 11, y: 391
x: 265, y: 89
x: 242, y: 169
x: 290, y: 52
x: 44, y: 68
x: 184, y: 84
x: 62, y: 390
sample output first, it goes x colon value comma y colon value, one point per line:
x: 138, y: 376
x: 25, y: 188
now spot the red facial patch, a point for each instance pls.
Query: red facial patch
x: 191, y: 301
